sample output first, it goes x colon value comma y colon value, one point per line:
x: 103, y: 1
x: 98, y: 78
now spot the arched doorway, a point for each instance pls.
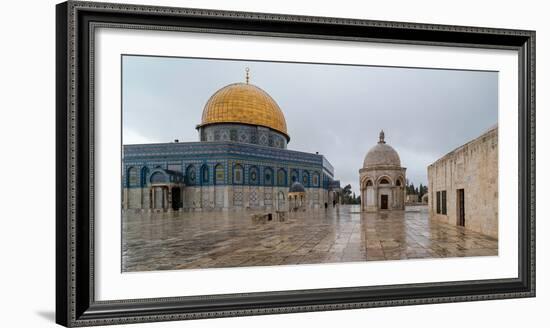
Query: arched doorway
x: 383, y: 202
x: 176, y: 198
x: 385, y: 190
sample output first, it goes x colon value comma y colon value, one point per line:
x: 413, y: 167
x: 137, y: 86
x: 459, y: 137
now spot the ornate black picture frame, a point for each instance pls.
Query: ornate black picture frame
x: 75, y: 301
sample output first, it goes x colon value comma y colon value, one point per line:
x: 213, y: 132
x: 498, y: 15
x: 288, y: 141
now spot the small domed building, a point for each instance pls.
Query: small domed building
x: 382, y: 179
x: 240, y: 162
x: 297, y: 196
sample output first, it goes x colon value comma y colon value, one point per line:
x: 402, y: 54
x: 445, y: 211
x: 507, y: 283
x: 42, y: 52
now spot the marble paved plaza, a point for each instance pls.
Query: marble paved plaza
x: 168, y: 241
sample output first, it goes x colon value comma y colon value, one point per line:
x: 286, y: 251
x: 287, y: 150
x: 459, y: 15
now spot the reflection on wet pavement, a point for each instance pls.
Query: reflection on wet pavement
x: 182, y: 240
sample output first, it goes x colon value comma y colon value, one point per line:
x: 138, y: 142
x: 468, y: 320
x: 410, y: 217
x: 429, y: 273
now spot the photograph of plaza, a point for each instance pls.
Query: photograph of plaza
x: 233, y: 163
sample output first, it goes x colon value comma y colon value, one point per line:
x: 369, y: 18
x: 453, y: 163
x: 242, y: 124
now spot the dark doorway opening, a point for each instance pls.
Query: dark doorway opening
x: 461, y: 216
x: 383, y: 202
x: 176, y: 196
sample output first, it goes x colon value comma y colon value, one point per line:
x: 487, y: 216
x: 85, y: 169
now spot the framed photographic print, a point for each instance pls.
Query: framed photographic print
x: 214, y: 163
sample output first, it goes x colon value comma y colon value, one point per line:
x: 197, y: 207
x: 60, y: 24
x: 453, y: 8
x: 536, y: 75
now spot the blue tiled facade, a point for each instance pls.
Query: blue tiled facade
x: 196, y: 164
x: 240, y: 162
x: 242, y: 133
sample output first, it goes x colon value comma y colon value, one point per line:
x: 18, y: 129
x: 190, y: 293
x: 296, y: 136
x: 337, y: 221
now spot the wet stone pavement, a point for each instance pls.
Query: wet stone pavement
x: 191, y: 240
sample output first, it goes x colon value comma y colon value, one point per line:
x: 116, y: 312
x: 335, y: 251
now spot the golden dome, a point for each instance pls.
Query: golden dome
x: 244, y: 103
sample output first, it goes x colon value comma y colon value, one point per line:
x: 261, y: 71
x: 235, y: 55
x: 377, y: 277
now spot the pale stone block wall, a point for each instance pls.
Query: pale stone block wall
x: 199, y: 198
x: 474, y: 168
x: 134, y: 198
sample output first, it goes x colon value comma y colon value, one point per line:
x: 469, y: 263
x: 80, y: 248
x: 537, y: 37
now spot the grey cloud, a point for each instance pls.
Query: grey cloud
x: 336, y: 110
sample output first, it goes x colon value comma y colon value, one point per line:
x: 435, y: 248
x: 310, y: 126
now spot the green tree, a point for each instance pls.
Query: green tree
x: 346, y: 194
x: 422, y: 190
x: 412, y: 189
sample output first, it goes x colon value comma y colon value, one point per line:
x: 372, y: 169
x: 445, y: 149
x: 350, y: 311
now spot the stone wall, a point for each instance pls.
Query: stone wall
x: 472, y: 167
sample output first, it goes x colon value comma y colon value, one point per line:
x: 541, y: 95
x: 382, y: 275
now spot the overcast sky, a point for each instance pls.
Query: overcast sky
x: 336, y: 110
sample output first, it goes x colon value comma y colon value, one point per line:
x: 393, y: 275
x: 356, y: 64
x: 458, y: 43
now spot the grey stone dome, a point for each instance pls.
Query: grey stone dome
x: 382, y: 154
x: 297, y: 187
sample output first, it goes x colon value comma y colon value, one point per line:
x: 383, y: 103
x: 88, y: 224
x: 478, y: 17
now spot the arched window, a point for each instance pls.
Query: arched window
x: 191, y: 175
x: 219, y: 174
x: 305, y: 178
x: 369, y: 183
x: 253, y: 175
x: 144, y: 173
x: 233, y: 135
x: 294, y: 176
x: 315, y: 179
x: 205, y: 176
x: 268, y: 177
x: 384, y: 181
x: 281, y: 177
x: 133, y: 177
x: 238, y: 174
x: 398, y: 183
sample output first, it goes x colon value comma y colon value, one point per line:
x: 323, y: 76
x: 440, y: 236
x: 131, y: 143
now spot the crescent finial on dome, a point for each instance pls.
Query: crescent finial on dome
x: 244, y: 103
x: 381, y: 137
